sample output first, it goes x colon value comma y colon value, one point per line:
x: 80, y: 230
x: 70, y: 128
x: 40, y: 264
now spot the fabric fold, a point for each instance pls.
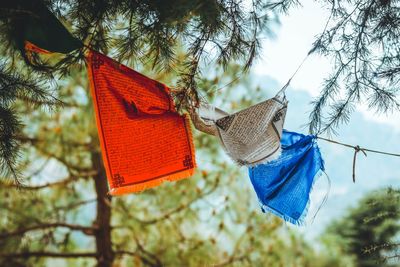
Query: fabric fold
x: 250, y: 136
x: 283, y: 185
x: 144, y: 140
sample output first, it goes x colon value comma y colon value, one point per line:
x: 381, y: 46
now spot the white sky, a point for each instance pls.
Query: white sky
x: 282, y: 55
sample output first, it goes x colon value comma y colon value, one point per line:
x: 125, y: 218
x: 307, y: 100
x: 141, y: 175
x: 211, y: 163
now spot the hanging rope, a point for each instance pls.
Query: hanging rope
x: 312, y: 50
x: 357, y: 149
x: 283, y: 89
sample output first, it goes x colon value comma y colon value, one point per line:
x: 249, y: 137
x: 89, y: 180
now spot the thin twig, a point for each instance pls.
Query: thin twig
x: 85, y: 229
x: 29, y: 254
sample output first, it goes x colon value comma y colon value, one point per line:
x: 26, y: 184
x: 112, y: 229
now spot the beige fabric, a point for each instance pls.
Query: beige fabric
x: 250, y: 136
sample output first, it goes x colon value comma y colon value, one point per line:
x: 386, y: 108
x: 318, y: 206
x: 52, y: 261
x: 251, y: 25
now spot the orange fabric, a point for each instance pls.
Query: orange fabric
x: 144, y: 140
x: 34, y: 48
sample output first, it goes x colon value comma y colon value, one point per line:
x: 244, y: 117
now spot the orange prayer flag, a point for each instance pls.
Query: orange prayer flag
x: 30, y: 47
x: 144, y: 140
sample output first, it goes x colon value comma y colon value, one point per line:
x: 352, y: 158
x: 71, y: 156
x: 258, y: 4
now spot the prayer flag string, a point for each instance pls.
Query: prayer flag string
x: 357, y: 149
x: 37, y: 39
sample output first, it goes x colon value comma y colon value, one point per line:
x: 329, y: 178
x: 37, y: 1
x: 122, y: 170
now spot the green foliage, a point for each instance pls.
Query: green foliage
x: 211, y: 219
x: 368, y: 231
x: 363, y: 43
x: 141, y: 32
x: 362, y: 39
x: 15, y: 87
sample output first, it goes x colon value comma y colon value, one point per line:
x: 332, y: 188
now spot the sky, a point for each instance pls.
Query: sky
x: 280, y: 58
x: 294, y: 37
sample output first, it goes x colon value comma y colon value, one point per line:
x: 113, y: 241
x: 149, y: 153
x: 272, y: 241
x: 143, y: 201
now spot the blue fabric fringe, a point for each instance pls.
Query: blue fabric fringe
x: 283, y: 185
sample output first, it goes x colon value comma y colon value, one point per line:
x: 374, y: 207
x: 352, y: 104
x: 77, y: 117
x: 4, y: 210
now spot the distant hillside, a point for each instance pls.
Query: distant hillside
x: 372, y: 172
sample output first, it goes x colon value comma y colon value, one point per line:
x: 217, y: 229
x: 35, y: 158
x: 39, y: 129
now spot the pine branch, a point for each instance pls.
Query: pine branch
x: 149, y: 261
x: 48, y: 254
x: 61, y: 182
x: 231, y: 260
x: 178, y: 209
x: 362, y: 73
x: 84, y: 229
x: 9, y: 147
x: 152, y: 256
x: 72, y: 168
x: 12, y: 87
x: 283, y: 5
x: 34, y: 141
x: 72, y: 206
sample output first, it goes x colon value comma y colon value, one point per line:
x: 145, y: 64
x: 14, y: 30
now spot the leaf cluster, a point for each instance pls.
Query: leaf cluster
x: 368, y: 231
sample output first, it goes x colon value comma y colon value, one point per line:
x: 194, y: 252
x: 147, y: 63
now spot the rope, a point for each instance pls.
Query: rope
x: 325, y: 199
x: 227, y: 84
x: 312, y: 50
x: 364, y: 149
x: 283, y: 89
x: 357, y: 149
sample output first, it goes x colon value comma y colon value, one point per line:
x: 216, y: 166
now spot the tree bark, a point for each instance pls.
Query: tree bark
x: 104, y: 249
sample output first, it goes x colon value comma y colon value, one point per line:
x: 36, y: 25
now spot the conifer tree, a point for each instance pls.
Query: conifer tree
x: 54, y: 216
x: 62, y: 214
x: 368, y: 232
x: 361, y: 37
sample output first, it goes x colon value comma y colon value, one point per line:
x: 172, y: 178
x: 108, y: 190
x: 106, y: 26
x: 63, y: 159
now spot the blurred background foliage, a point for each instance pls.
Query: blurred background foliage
x: 211, y: 219
x: 370, y: 230
x: 62, y: 216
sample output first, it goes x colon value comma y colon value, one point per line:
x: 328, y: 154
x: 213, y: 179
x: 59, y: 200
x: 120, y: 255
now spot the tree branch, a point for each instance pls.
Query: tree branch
x: 48, y: 254
x: 38, y: 187
x: 230, y: 261
x: 76, y: 204
x: 33, y: 141
x: 64, y: 181
x: 181, y: 207
x: 85, y: 229
x: 136, y: 254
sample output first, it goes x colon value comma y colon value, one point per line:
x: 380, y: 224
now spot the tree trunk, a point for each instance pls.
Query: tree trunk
x: 105, y: 253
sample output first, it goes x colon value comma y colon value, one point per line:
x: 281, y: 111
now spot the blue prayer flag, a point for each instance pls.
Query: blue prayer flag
x: 283, y: 185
